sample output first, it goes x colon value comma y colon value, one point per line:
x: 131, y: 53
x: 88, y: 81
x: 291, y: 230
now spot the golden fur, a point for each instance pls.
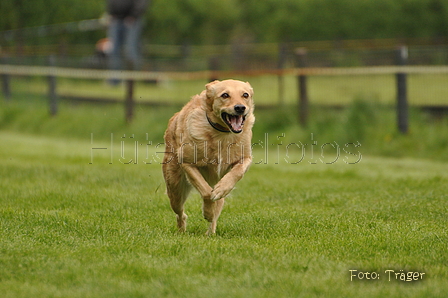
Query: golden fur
x: 208, y: 146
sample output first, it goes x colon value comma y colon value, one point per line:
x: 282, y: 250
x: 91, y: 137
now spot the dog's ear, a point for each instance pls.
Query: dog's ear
x: 250, y: 89
x: 209, y: 88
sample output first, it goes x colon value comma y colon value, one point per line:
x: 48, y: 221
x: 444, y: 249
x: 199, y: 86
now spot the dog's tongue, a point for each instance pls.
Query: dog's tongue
x: 236, y: 122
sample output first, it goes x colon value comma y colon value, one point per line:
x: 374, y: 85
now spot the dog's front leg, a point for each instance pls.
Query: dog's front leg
x: 227, y: 183
x: 197, y: 180
x: 211, y: 209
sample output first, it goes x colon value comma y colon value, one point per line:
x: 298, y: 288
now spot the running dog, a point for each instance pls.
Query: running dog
x: 208, y: 146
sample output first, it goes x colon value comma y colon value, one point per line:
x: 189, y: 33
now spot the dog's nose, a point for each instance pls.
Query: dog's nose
x: 239, y: 109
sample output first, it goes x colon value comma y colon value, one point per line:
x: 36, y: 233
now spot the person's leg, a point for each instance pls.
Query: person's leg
x: 116, y: 32
x: 133, y: 33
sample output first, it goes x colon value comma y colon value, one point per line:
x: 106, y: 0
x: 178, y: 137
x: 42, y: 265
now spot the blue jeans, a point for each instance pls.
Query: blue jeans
x: 124, y: 34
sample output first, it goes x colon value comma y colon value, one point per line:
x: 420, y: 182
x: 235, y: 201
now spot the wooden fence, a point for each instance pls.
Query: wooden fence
x: 301, y: 71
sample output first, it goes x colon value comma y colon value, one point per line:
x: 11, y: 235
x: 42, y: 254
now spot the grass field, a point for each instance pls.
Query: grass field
x: 74, y: 229
x: 79, y: 222
x: 428, y: 89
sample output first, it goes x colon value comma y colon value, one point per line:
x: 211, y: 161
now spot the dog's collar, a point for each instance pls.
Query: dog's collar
x: 217, y: 126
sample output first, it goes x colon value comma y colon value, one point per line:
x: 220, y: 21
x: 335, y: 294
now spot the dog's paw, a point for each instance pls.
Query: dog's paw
x: 220, y: 192
x: 216, y: 197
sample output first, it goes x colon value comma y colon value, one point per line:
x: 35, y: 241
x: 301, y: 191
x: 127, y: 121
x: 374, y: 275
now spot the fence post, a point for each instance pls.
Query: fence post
x: 302, y: 87
x: 6, y: 86
x: 213, y: 66
x: 402, y: 100
x: 52, y: 96
x: 129, y: 100
x: 281, y: 80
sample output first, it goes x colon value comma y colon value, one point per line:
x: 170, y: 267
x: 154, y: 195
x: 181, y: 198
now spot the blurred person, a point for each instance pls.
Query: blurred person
x: 125, y: 26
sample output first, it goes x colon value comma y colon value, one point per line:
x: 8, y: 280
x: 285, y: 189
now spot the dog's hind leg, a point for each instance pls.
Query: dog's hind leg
x: 211, y: 211
x: 178, y: 196
x: 178, y: 188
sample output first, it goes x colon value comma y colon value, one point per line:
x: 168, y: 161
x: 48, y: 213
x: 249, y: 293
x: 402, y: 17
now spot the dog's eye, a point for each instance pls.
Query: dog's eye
x: 225, y: 95
x: 246, y: 95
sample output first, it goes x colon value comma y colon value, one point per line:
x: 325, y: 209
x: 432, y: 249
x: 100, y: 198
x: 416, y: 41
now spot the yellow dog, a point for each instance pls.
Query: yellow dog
x: 208, y: 146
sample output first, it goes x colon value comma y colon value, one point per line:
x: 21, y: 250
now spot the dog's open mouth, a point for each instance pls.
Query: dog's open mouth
x: 234, y: 122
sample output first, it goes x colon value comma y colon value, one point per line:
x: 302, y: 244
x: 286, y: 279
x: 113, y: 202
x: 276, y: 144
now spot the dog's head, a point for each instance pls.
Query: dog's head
x: 230, y: 102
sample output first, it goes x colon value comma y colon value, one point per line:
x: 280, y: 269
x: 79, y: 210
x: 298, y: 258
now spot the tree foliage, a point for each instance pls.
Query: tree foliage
x: 17, y: 14
x: 220, y: 21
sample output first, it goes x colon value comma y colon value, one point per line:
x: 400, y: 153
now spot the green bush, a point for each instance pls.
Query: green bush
x: 219, y: 22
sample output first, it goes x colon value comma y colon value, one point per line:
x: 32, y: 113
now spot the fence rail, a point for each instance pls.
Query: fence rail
x: 195, y: 75
x: 154, y: 75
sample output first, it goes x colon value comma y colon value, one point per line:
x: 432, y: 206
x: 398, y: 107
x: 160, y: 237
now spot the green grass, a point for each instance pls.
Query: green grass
x: 428, y: 89
x: 370, y: 123
x: 74, y: 229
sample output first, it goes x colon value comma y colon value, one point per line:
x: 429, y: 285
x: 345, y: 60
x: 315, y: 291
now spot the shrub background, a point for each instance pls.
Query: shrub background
x: 220, y: 22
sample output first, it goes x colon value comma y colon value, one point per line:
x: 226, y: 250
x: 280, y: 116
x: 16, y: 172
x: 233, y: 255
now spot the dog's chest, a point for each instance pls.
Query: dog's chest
x: 217, y: 157
x: 219, y: 153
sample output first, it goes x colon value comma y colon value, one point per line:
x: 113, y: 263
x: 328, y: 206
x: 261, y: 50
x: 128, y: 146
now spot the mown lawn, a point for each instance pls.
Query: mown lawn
x: 74, y: 229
